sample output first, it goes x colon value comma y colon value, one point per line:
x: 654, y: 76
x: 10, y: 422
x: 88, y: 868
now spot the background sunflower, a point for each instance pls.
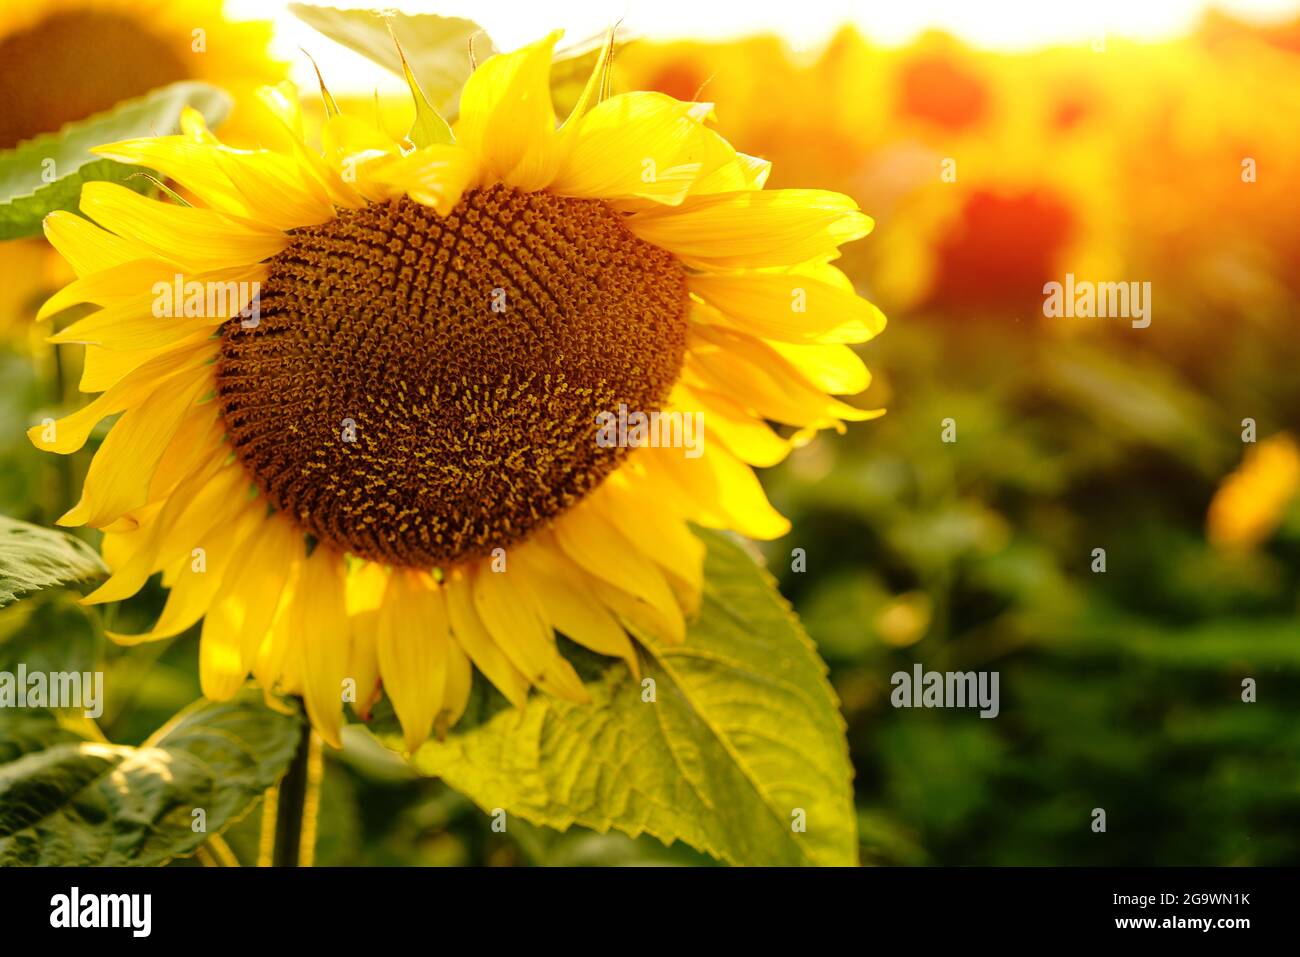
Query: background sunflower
x: 67, y: 60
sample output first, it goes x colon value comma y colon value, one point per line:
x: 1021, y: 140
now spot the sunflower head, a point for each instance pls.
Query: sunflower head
x: 391, y: 412
x: 451, y: 456
x: 65, y: 60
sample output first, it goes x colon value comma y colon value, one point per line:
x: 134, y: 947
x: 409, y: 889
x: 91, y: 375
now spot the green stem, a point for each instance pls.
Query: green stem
x: 63, y: 463
x: 295, y: 804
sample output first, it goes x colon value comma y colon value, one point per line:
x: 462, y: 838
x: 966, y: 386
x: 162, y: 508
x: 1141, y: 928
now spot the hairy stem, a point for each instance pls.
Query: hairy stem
x: 297, y: 800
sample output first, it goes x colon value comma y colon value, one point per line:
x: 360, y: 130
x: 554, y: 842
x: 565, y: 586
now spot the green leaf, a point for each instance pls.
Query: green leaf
x: 743, y: 732
x: 48, y: 631
x: 46, y: 172
x: 83, y: 803
x: 30, y: 730
x: 437, y: 47
x: 429, y: 127
x: 32, y: 558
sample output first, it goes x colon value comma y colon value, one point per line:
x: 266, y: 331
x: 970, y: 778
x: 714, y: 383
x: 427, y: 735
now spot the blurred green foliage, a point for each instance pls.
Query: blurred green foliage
x: 1120, y: 690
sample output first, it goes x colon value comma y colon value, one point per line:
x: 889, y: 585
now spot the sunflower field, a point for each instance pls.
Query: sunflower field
x: 602, y: 452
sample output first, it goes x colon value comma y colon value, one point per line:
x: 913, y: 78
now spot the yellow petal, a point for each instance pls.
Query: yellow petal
x: 87, y: 247
x: 635, y: 612
x: 323, y: 645
x: 473, y: 637
x: 195, y: 127
x: 69, y: 433
x: 199, y: 576
x: 209, y: 496
x: 436, y: 176
x: 276, y: 189
x: 200, y: 433
x: 788, y: 307
x: 104, y: 367
x: 130, y: 326
x: 276, y: 666
x: 455, y: 697
x: 364, y: 597
x: 752, y: 373
x: 198, y: 238
x: 352, y: 146
x: 661, y: 535
x: 120, y: 473
x: 507, y: 119
x: 756, y: 170
x: 827, y: 366
x: 345, y: 135
x: 726, y: 487
x: 268, y: 187
x: 635, y: 145
x: 746, y: 435
x: 243, y: 609
x: 739, y: 172
x: 114, y: 284
x: 603, y: 552
x: 190, y: 162
x: 591, y: 92
x: 754, y: 229
x: 189, y: 452
x: 412, y: 645
x: 157, y: 317
x: 119, y: 545
x: 282, y: 101
x: 569, y: 606
x: 513, y: 617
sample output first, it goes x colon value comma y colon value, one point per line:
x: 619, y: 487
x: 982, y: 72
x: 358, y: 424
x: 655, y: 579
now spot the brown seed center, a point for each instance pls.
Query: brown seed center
x: 419, y: 390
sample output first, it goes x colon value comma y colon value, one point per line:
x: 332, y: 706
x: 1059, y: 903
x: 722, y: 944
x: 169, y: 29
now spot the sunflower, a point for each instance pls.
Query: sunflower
x: 69, y: 59
x: 65, y: 60
x: 383, y: 465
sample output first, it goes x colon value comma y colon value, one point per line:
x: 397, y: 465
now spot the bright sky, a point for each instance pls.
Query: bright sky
x: 1004, y: 24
